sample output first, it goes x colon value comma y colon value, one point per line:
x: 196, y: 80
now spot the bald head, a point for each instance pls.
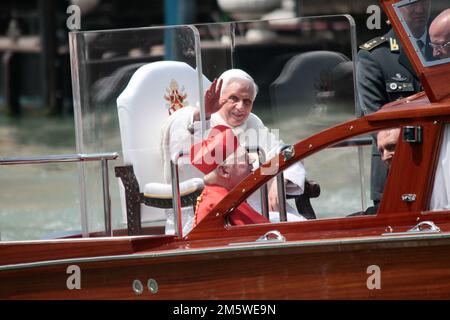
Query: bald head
x: 440, y: 35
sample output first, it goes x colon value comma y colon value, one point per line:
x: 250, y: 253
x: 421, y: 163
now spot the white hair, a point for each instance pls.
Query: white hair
x: 232, y: 75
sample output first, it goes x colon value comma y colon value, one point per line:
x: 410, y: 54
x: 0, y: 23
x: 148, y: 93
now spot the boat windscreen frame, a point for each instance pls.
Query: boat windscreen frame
x: 432, y: 75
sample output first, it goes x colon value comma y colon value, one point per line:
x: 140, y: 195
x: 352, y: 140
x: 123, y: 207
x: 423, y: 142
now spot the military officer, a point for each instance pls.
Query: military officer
x: 384, y: 74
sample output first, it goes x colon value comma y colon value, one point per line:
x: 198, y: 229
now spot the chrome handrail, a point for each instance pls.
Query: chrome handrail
x: 67, y: 158
x: 58, y: 158
x: 176, y: 203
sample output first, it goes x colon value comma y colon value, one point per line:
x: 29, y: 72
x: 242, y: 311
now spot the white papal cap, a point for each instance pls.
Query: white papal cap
x: 237, y: 75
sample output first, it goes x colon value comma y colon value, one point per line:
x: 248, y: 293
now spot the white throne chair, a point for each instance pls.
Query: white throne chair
x: 154, y: 92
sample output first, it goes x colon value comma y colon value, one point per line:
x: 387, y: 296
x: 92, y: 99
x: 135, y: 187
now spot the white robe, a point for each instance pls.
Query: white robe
x: 177, y: 135
x: 440, y: 198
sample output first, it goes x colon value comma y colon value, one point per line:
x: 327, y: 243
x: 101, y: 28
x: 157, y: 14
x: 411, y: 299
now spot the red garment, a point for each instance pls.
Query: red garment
x: 212, y: 195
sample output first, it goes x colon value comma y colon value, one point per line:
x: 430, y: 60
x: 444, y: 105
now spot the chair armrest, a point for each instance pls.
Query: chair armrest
x: 303, y: 203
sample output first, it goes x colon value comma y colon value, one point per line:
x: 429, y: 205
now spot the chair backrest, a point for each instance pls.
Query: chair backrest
x: 154, y: 92
x: 303, y: 77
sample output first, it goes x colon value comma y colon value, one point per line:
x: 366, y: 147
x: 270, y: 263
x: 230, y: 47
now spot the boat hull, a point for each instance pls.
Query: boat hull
x: 412, y: 269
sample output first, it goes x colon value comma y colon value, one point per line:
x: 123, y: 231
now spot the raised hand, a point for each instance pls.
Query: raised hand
x: 212, y: 98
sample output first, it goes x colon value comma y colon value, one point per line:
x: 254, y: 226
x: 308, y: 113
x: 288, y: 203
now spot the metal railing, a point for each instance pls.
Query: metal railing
x: 70, y: 158
x: 176, y: 197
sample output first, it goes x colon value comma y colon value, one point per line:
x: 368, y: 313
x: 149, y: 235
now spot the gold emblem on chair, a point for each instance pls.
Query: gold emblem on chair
x: 176, y: 98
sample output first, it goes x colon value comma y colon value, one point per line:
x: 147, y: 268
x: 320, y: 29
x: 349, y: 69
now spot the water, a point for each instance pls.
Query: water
x: 41, y: 201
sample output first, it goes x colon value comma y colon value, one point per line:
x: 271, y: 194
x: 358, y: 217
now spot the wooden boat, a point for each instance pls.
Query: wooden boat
x: 398, y: 253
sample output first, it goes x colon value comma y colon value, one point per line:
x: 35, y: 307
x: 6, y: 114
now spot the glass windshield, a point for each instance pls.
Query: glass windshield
x: 131, y: 86
x: 427, y: 24
x: 302, y: 66
x: 121, y: 104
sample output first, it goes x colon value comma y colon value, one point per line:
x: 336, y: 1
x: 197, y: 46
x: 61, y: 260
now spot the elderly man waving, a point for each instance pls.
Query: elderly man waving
x: 228, y: 102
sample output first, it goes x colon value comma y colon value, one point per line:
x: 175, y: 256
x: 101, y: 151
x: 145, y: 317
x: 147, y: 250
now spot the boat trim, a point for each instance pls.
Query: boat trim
x: 224, y: 249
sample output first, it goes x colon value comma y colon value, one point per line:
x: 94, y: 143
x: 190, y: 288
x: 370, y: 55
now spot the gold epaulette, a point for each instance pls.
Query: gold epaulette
x: 369, y: 45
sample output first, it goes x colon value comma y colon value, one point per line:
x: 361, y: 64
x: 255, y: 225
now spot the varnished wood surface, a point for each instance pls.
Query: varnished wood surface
x: 409, y: 270
x: 26, y: 252
x: 410, y: 174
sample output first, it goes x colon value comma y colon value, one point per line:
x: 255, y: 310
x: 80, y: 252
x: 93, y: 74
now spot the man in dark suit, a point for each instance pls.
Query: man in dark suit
x: 384, y: 74
x: 416, y: 16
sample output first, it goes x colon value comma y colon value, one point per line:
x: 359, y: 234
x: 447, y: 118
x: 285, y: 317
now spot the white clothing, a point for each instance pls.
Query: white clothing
x: 440, y: 198
x: 274, y: 217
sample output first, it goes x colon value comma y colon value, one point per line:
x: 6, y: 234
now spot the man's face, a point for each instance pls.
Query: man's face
x: 237, y: 103
x: 240, y: 168
x: 416, y: 16
x: 386, y: 141
x: 440, y: 38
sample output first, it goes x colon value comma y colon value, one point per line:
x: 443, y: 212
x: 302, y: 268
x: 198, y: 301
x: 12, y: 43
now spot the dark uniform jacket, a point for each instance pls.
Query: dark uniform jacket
x: 384, y: 74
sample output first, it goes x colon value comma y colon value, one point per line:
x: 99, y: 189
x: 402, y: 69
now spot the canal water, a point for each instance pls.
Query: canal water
x: 42, y: 201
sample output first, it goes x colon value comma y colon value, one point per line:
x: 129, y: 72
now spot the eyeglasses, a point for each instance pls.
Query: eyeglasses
x: 439, y: 46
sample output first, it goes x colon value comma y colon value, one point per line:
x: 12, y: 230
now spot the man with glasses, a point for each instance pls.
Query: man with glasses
x: 440, y: 35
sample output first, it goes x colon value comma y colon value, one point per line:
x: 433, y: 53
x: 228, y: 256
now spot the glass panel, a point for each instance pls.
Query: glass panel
x: 303, y: 68
x: 121, y: 105
x: 37, y: 200
x: 343, y: 194
x: 426, y: 23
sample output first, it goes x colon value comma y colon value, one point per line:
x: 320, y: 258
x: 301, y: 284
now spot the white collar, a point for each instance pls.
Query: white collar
x: 216, y: 120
